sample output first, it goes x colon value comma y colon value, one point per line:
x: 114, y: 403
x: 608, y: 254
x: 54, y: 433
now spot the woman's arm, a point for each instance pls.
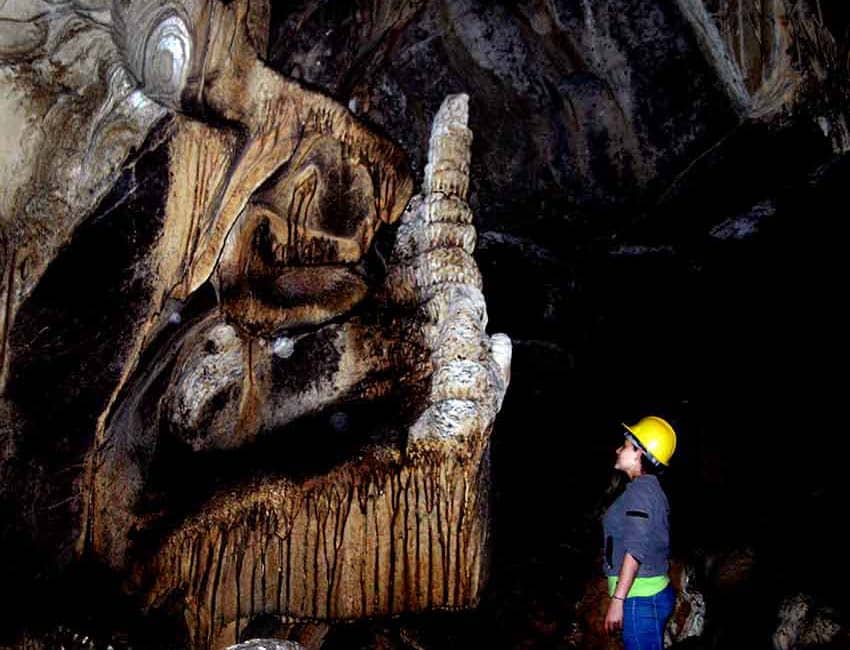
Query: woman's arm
x: 614, y: 617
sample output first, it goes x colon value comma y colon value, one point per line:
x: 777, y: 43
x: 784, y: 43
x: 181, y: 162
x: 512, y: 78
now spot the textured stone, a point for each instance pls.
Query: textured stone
x: 201, y: 229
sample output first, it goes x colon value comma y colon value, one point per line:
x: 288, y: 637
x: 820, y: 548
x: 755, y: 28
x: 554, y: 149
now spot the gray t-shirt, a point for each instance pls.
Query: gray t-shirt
x: 637, y: 523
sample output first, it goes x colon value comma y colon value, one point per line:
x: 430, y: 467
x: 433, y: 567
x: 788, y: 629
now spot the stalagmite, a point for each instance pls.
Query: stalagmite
x: 398, y: 529
x: 209, y: 256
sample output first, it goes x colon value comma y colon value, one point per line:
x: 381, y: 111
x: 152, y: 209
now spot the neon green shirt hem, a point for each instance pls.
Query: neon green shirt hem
x: 643, y: 587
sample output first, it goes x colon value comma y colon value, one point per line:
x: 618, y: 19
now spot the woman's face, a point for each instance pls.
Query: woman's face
x: 628, y: 458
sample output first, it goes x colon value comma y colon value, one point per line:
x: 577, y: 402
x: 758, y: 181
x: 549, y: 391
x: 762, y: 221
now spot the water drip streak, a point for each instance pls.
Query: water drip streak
x: 417, y: 589
x: 199, y: 201
x: 309, y: 202
x: 430, y: 487
x: 4, y: 342
x: 334, y: 503
x: 464, y: 542
x: 239, y: 554
x: 313, y: 517
x: 265, y: 538
x: 386, y: 190
x: 394, y: 510
x: 446, y: 523
x: 194, y: 553
x: 376, y: 596
x: 294, y: 210
x: 289, y: 235
x: 190, y: 231
x: 268, y: 559
x: 264, y: 567
x: 304, y: 554
x: 459, y: 544
x: 253, y: 550
x: 198, y: 590
x: 340, y: 526
x: 288, y: 572
x: 280, y: 574
x: 323, y: 511
x: 406, y: 577
x: 364, y: 507
x: 443, y: 535
x: 430, y: 558
x: 457, y: 527
x: 214, y: 590
x: 176, y: 563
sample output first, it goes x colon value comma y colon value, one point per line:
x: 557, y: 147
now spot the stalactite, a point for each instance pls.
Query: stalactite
x: 375, y: 537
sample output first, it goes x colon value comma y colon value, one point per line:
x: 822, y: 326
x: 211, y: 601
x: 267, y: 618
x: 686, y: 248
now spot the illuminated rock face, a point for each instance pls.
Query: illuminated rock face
x: 378, y: 536
x: 404, y: 527
x: 190, y: 275
x: 200, y: 297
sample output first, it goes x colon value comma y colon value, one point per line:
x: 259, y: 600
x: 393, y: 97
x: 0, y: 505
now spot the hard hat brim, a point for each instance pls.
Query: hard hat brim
x: 631, y: 435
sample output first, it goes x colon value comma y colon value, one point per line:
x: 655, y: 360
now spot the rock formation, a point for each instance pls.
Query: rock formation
x: 192, y: 275
x: 225, y: 322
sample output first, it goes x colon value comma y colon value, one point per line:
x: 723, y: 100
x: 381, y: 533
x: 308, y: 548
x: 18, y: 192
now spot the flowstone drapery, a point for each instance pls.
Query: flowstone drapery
x: 402, y: 527
x: 216, y: 383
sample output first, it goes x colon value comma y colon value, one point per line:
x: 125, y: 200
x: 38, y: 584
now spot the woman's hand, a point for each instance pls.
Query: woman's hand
x: 628, y: 573
x: 614, y: 617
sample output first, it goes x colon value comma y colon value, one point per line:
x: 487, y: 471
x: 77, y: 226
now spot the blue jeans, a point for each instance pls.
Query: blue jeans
x: 644, y: 618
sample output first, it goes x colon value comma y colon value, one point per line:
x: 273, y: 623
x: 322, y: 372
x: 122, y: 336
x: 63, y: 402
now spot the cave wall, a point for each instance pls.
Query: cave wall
x: 659, y: 197
x: 657, y: 191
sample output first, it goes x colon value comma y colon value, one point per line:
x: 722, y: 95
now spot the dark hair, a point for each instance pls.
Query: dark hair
x: 648, y: 467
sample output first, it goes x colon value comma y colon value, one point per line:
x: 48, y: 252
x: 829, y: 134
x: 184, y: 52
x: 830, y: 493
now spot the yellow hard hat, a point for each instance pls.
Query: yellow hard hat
x: 655, y: 436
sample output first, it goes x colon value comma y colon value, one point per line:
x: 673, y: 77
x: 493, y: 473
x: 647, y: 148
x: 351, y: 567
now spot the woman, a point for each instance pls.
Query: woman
x: 637, y: 539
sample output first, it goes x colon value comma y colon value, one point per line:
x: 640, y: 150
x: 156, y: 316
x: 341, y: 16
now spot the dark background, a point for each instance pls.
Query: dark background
x: 683, y: 260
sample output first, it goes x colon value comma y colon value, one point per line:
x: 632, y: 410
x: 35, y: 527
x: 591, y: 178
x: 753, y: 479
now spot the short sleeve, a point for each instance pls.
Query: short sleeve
x: 636, y: 538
